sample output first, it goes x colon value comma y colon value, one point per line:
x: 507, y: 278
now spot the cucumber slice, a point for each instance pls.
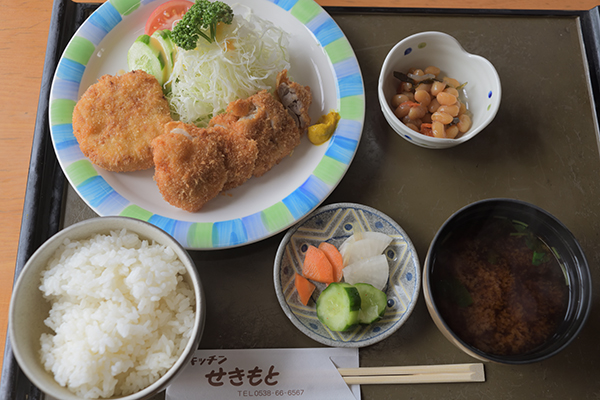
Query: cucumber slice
x: 162, y: 40
x: 372, y: 303
x: 142, y: 55
x: 338, y: 306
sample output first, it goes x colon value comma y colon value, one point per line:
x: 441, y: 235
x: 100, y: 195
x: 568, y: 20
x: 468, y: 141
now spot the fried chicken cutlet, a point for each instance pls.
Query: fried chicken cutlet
x: 295, y: 98
x: 117, y: 118
x: 194, y: 164
x: 263, y: 118
x: 238, y: 151
x: 189, y: 170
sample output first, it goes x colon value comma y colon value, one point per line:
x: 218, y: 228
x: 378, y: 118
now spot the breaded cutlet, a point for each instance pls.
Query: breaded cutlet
x: 261, y: 117
x: 194, y: 164
x: 189, y: 170
x: 238, y: 151
x: 296, y: 98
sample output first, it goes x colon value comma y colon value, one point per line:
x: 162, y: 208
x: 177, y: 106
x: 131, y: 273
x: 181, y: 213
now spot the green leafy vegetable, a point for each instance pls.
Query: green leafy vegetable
x: 540, y: 257
x: 201, y: 21
x: 534, y: 243
x: 453, y: 290
x: 492, y: 257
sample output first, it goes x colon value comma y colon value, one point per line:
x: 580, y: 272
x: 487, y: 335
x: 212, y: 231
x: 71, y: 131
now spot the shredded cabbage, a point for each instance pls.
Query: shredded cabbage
x: 245, y: 59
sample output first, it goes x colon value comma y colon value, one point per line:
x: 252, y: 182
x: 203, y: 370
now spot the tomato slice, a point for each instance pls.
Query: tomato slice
x: 166, y: 14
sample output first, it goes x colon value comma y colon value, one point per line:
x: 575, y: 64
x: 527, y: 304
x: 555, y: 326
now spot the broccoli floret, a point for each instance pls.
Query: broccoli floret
x: 201, y: 21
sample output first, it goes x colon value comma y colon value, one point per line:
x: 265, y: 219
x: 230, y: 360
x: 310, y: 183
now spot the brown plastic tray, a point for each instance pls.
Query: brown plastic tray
x: 542, y: 148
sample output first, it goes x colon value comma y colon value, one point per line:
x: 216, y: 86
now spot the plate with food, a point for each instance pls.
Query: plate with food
x: 222, y: 144
x: 347, y: 276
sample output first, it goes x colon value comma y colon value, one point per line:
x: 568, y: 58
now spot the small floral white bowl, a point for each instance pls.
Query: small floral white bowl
x: 483, y: 89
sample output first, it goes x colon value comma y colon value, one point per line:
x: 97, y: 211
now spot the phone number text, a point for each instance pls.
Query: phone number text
x: 269, y: 393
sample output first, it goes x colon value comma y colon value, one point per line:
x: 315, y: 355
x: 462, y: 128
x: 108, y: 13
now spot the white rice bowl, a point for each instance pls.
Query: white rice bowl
x: 121, y: 314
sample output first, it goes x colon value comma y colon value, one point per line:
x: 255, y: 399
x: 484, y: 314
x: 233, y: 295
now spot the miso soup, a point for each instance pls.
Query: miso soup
x: 498, y: 286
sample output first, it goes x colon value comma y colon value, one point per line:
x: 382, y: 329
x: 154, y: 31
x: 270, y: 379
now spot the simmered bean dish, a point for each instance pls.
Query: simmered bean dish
x: 430, y: 105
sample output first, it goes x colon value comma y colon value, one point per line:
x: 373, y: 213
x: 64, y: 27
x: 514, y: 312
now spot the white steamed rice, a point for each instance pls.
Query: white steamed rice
x: 121, y: 314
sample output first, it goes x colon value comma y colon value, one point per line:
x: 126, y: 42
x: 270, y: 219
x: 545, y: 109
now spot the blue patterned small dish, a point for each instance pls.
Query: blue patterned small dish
x: 334, y: 223
x: 483, y: 91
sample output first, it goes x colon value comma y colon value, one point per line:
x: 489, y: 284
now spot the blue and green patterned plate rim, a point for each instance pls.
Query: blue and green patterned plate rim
x: 284, y: 212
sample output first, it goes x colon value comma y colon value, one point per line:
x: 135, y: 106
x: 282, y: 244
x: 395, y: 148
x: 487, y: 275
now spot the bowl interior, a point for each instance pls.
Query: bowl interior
x: 571, y: 259
x: 483, y: 88
x: 29, y: 309
x: 334, y: 223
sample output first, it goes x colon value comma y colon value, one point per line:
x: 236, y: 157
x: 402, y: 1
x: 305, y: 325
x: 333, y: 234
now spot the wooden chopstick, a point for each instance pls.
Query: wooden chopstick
x: 414, y: 374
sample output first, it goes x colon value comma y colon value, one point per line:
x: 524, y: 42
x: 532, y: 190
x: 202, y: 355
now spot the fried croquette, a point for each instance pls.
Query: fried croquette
x: 117, y: 118
x: 262, y: 118
x: 189, y: 170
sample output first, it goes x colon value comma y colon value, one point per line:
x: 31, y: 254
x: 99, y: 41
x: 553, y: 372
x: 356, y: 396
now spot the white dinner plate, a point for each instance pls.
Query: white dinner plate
x: 320, y: 57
